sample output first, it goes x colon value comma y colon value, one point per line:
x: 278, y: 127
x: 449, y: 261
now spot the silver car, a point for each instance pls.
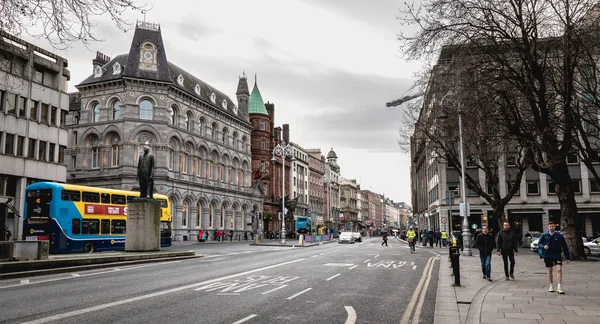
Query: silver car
x: 591, y: 248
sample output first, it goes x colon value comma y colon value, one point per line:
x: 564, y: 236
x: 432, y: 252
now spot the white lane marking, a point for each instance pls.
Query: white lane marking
x: 314, y: 256
x: 272, y: 290
x: 367, y: 260
x: 351, y: 315
x: 412, y: 263
x: 332, y: 277
x: 245, y: 319
x: 376, y: 256
x: 353, y: 267
x: 24, y: 281
x: 423, y: 293
x: 298, y: 294
x: 158, y: 293
x: 75, y: 275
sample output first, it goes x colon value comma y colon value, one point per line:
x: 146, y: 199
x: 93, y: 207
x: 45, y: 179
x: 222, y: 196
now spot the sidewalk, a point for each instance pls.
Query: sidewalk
x: 525, y: 299
x: 269, y: 242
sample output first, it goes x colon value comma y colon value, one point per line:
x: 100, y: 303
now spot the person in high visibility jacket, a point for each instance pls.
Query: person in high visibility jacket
x: 444, y: 238
x: 412, y: 237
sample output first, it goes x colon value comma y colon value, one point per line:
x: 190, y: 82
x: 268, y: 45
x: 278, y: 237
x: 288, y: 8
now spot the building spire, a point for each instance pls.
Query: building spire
x: 254, y: 79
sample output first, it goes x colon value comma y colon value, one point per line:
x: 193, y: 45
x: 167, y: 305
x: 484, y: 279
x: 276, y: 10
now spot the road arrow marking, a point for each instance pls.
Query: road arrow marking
x: 351, y: 315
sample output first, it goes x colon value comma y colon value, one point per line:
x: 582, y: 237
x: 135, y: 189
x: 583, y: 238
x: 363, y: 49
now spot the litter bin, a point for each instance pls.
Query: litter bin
x: 455, y: 262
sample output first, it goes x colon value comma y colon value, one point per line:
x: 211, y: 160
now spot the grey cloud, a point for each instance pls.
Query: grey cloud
x: 383, y: 14
x: 193, y: 29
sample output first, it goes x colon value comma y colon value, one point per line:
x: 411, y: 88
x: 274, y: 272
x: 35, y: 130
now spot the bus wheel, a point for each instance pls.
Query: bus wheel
x: 88, y: 248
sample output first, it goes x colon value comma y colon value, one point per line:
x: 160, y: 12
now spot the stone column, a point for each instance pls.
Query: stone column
x: 545, y: 218
x: 177, y: 223
x: 228, y: 219
x: 193, y: 236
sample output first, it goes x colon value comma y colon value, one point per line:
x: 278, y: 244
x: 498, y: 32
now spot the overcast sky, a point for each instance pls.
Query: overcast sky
x: 328, y: 66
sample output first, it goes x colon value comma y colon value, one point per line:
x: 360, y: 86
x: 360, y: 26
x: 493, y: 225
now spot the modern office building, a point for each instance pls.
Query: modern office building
x: 33, y: 136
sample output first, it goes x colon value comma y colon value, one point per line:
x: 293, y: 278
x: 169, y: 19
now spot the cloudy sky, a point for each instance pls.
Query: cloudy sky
x: 328, y: 66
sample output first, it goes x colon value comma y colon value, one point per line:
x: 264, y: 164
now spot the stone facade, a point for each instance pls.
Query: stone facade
x: 199, y: 137
x: 299, y: 180
x: 349, y: 204
x: 316, y: 193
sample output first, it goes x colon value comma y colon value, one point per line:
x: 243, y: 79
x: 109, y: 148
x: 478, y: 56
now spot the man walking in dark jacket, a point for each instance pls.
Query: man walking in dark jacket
x: 486, y: 244
x: 507, y: 247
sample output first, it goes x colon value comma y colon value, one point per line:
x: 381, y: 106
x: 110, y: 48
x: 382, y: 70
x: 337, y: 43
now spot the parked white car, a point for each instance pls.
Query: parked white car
x: 357, y: 237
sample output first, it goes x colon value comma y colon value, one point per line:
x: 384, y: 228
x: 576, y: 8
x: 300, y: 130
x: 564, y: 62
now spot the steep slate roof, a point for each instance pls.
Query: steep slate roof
x: 166, y: 72
x: 256, y: 105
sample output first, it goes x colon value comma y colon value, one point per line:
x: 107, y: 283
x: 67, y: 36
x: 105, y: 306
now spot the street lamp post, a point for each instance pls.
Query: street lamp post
x: 464, y: 208
x: 284, y: 151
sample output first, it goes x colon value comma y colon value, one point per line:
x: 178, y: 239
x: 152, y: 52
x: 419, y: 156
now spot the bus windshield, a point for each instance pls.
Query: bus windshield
x: 38, y: 205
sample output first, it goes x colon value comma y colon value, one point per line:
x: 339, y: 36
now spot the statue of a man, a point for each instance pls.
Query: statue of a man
x: 145, y: 173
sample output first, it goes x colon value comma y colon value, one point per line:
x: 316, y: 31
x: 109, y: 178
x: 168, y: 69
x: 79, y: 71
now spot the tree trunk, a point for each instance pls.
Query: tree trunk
x: 568, y: 211
x: 498, y: 215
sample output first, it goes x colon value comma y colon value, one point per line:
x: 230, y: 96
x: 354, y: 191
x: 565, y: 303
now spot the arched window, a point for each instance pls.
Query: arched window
x: 235, y: 140
x: 188, y: 121
x: 116, y: 110
x: 184, y: 163
x: 214, y: 132
x: 211, y: 216
x: 198, y: 214
x: 173, y: 120
x: 171, y: 160
x: 146, y: 109
x: 95, y: 154
x: 184, y: 214
x: 244, y: 140
x: 225, y: 136
x: 115, y: 155
x: 96, y: 113
x: 201, y: 126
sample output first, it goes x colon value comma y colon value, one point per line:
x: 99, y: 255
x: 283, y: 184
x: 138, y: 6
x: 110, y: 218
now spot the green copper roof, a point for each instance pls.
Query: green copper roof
x: 256, y: 105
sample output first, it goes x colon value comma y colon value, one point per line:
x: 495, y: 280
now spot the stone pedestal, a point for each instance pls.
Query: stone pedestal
x: 143, y: 225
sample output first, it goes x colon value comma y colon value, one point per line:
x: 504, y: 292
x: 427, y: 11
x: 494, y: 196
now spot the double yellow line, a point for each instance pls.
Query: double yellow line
x: 422, y: 291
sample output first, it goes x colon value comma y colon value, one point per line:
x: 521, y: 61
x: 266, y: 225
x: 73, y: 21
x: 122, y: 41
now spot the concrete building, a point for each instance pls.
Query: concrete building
x: 349, y: 204
x: 33, y: 136
x: 200, y: 138
x: 299, y: 180
x: 316, y: 193
x: 436, y: 189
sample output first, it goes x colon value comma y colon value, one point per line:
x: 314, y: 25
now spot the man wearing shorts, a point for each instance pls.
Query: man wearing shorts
x: 551, y: 246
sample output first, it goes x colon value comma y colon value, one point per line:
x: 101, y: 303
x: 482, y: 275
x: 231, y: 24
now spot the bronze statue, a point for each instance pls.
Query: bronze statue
x: 145, y: 173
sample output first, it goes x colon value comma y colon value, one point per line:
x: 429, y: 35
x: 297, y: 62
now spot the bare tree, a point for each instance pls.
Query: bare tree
x: 533, y: 49
x: 63, y: 22
x: 486, y: 142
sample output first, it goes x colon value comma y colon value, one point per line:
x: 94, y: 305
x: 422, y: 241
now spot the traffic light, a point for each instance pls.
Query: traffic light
x: 260, y: 215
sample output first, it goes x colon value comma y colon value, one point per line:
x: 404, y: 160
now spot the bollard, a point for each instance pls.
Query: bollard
x: 454, y: 260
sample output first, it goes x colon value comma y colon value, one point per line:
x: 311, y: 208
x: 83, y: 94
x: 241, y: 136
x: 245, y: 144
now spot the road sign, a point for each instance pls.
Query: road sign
x: 444, y: 220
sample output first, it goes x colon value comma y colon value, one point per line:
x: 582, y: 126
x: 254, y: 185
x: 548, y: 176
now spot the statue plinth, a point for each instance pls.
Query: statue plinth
x: 143, y: 225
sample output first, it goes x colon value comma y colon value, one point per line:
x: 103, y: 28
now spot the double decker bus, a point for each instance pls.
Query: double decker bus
x: 77, y: 218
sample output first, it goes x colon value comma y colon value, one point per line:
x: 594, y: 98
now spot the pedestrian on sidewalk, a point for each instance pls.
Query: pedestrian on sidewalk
x: 219, y: 235
x: 507, y: 247
x: 551, y: 246
x: 231, y: 235
x: 486, y: 244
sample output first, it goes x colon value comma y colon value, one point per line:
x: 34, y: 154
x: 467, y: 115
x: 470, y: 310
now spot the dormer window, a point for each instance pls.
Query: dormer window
x: 180, y: 80
x: 97, y: 71
x: 117, y: 68
x: 224, y: 104
x: 147, y: 57
x: 197, y: 89
x: 213, y: 97
x: 235, y: 109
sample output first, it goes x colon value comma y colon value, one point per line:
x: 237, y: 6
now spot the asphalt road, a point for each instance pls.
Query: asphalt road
x: 237, y: 283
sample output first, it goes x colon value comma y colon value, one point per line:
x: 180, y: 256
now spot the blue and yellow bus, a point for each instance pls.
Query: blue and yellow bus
x: 77, y: 218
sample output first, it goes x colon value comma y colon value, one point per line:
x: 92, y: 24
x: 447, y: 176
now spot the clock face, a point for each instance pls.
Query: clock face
x: 148, y: 56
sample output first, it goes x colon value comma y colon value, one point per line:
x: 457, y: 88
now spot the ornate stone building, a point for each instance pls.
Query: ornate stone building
x: 199, y: 136
x: 316, y: 192
x: 349, y: 205
x: 332, y: 187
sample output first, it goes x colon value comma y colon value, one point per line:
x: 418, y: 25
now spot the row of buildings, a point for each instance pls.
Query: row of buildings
x: 436, y: 186
x: 214, y: 156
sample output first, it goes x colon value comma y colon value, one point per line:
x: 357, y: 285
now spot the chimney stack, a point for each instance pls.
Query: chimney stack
x: 100, y: 60
x: 286, y: 133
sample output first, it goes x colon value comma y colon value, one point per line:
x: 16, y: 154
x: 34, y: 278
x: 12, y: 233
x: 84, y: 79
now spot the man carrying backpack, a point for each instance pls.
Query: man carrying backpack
x: 550, y: 247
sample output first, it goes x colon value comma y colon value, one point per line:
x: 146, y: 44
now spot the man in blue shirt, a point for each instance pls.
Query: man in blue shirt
x: 550, y: 247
